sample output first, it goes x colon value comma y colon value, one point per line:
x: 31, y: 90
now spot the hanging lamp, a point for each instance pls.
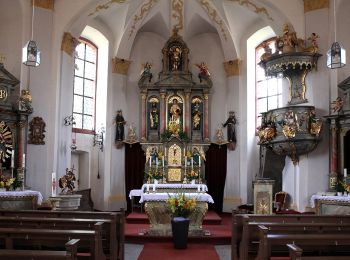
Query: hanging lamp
x: 30, y: 52
x: 336, y: 55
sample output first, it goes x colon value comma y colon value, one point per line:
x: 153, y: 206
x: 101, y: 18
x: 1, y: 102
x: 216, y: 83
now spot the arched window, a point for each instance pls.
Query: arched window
x: 85, y: 86
x: 268, y: 90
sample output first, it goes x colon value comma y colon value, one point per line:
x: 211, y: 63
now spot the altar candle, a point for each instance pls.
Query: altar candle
x: 150, y: 161
x: 13, y: 159
x: 199, y: 161
x: 192, y: 162
x: 345, y: 173
x: 24, y: 161
x: 157, y: 162
x: 163, y: 161
x: 147, y: 187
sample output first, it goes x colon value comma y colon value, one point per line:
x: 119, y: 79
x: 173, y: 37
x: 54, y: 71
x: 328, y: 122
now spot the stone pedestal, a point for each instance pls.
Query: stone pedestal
x: 263, y: 196
x: 66, y: 202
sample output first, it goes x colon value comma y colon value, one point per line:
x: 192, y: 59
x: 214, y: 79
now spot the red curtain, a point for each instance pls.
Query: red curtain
x: 215, y: 174
x: 134, y: 169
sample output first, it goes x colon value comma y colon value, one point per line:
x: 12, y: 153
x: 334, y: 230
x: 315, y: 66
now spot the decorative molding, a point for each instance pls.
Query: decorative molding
x: 46, y: 4
x: 232, y: 67
x: 106, y: 6
x: 120, y: 66
x: 256, y: 9
x: 177, y: 6
x: 69, y: 43
x: 145, y: 8
x: 214, y: 16
x: 311, y: 5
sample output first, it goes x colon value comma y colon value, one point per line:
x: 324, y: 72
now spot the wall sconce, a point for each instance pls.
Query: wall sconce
x: 69, y: 120
x: 98, y: 138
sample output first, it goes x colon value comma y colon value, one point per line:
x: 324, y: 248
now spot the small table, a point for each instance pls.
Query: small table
x: 20, y: 200
x: 132, y: 195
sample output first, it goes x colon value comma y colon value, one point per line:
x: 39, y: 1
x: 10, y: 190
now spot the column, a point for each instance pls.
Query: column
x: 143, y: 117
x: 206, y: 117
x: 162, y: 112
x: 21, y: 148
x: 187, y: 115
x: 333, y: 176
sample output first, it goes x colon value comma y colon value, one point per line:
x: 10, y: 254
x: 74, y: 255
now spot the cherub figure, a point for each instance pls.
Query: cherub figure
x: 337, y: 105
x: 203, y: 71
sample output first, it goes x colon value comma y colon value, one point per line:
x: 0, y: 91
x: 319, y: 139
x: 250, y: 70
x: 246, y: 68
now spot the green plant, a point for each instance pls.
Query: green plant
x: 183, y: 136
x: 165, y: 135
x: 180, y: 205
x: 341, y: 186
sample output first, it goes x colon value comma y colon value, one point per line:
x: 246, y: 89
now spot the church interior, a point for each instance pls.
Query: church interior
x: 125, y: 109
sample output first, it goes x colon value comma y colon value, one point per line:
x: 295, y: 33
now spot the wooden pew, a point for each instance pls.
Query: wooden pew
x: 70, y: 253
x: 295, y: 253
x: 243, y: 234
x: 108, y: 228
x: 11, y: 238
x: 118, y: 216
x: 268, y: 240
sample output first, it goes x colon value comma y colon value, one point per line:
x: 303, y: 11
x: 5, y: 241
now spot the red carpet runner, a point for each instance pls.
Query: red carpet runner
x: 166, y: 251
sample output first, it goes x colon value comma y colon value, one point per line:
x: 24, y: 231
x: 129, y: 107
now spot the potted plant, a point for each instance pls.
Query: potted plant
x: 192, y: 176
x: 341, y: 187
x: 181, y: 208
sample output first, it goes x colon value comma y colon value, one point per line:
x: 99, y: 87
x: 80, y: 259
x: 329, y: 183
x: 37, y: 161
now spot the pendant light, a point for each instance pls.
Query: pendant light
x: 30, y: 52
x: 336, y: 55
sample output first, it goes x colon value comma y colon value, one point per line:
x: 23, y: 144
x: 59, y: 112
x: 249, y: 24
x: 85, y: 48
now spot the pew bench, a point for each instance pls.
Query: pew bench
x: 108, y: 228
x: 70, y: 253
x: 18, y: 238
x: 118, y: 217
x: 295, y: 253
x: 319, y: 241
x: 240, y: 223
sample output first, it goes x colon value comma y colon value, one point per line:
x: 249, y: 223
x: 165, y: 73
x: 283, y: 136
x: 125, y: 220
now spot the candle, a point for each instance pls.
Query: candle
x: 24, y: 161
x: 157, y: 162
x: 147, y: 187
x: 345, y: 172
x: 13, y: 159
x: 53, y: 184
x: 163, y: 161
x: 150, y: 161
x: 199, y: 161
x: 192, y: 162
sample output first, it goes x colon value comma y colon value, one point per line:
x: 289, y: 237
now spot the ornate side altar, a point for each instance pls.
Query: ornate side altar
x: 330, y: 205
x: 160, y: 216
x: 20, y: 200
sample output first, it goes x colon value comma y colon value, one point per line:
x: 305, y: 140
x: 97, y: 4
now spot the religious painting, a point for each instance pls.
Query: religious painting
x: 263, y: 202
x: 153, y: 113
x: 175, y: 114
x: 174, y: 155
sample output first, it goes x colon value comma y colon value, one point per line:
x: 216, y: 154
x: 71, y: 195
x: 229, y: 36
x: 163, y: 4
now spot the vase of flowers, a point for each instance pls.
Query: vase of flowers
x: 192, y: 176
x: 342, y: 188
x: 181, y: 207
x: 8, y: 183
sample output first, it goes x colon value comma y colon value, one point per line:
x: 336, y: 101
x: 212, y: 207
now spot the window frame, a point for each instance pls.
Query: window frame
x: 85, y: 41
x: 278, y: 94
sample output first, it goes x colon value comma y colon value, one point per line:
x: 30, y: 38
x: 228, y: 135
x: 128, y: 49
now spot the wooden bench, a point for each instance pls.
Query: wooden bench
x: 242, y: 232
x: 268, y: 240
x: 70, y: 253
x: 118, y: 217
x: 295, y: 253
x: 108, y: 229
x: 17, y: 238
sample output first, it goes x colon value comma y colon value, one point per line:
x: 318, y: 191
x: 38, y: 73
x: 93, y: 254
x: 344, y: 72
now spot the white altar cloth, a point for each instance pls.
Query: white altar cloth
x: 329, y: 198
x: 205, y: 197
x: 23, y: 194
x: 174, y: 186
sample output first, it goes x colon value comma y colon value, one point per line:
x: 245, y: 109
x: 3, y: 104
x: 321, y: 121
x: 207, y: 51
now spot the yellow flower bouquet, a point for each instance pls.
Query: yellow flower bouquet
x: 180, y: 205
x: 6, y: 182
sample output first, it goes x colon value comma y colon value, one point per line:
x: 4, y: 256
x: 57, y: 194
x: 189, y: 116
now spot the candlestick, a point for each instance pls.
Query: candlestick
x: 147, y: 187
x: 199, y: 188
x: 154, y: 187
x: 24, y: 161
x: 13, y: 159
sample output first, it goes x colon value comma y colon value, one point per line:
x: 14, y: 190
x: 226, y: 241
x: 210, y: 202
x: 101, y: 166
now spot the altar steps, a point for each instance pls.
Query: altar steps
x: 219, y: 230
x: 211, y: 218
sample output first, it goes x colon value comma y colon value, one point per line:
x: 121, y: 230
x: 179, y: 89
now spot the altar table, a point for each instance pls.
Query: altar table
x: 330, y: 205
x: 171, y: 187
x: 160, y: 216
x: 20, y: 200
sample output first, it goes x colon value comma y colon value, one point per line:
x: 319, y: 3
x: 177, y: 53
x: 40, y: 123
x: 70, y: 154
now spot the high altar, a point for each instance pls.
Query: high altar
x: 174, y: 132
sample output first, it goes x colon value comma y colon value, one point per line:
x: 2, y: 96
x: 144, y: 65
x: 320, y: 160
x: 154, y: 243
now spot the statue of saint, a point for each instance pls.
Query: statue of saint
x: 175, y: 58
x: 231, y: 125
x: 196, y: 116
x: 154, y: 116
x: 175, y: 112
x: 120, y: 122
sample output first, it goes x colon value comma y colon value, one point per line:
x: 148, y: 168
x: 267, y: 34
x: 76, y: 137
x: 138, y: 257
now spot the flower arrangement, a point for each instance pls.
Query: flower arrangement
x: 341, y: 186
x: 180, y: 205
x: 9, y: 183
x: 154, y: 174
x: 192, y: 175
